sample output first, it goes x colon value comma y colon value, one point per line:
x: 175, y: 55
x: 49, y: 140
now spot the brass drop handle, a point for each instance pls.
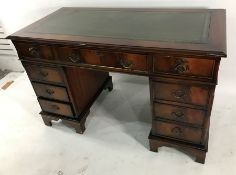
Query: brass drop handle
x: 34, y: 51
x: 180, y: 66
x: 75, y: 58
x: 43, y: 73
x: 50, y: 91
x: 179, y: 93
x: 176, y: 131
x: 55, y: 107
x: 126, y: 64
x: 177, y: 114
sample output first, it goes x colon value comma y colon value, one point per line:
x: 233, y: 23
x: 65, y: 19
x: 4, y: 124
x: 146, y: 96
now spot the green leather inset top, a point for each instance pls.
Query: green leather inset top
x: 189, y: 27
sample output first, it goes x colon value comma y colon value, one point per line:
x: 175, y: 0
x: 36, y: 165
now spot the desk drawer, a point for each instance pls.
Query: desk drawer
x: 190, y: 94
x: 202, y: 68
x: 51, y: 92
x: 31, y: 50
x: 75, y: 55
x: 56, y: 108
x: 105, y: 59
x: 177, y: 131
x: 126, y: 61
x: 178, y: 113
x: 44, y: 73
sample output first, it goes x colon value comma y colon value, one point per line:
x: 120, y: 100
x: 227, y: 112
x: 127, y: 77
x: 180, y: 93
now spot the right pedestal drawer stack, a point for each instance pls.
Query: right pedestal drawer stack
x: 182, y: 92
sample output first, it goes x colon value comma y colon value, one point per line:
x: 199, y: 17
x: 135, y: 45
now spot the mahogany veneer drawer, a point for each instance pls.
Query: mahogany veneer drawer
x: 196, y: 67
x: 178, y: 113
x: 177, y: 131
x: 56, y: 108
x: 44, y: 73
x: 51, y: 92
x: 75, y: 55
x: 31, y: 50
x: 190, y: 94
x: 128, y: 61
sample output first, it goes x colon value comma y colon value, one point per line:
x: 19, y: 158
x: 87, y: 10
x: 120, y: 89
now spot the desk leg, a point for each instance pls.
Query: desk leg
x: 156, y: 142
x: 78, y: 125
x: 109, y: 85
x: 48, y: 119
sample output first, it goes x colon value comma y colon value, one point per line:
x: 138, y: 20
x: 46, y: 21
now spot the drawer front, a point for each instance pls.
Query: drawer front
x: 203, y: 68
x: 51, y: 92
x: 56, y: 108
x: 30, y: 50
x: 126, y: 61
x: 75, y: 55
x: 177, y: 131
x: 177, y: 113
x: 44, y: 73
x: 196, y: 95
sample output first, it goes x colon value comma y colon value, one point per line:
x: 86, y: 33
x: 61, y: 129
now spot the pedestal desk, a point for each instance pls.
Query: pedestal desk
x: 68, y: 56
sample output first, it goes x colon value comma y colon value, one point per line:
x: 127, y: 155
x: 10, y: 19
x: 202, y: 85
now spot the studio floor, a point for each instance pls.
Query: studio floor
x: 116, y: 136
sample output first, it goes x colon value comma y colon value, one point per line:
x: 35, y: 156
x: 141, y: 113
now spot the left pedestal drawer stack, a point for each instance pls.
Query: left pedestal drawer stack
x: 49, y: 85
x: 64, y: 91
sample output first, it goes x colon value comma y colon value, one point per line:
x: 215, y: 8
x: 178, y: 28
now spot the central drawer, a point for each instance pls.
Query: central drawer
x: 56, y: 108
x: 104, y: 59
x: 126, y: 61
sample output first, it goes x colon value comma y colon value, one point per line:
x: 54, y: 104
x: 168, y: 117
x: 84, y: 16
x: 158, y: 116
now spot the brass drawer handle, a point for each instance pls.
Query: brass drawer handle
x: 181, y: 66
x: 179, y: 93
x: 126, y: 64
x: 50, y: 91
x: 177, y: 114
x: 34, y: 51
x: 75, y: 58
x: 55, y: 107
x: 43, y: 73
x: 177, y: 130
